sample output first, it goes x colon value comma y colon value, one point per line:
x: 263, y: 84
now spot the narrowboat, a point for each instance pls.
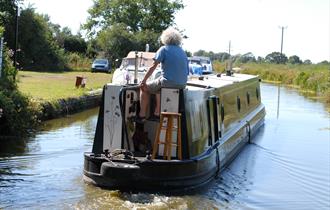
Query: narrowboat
x: 134, y: 66
x: 201, y: 129
x: 200, y: 65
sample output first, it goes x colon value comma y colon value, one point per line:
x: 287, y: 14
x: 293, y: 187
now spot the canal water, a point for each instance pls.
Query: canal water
x: 287, y: 166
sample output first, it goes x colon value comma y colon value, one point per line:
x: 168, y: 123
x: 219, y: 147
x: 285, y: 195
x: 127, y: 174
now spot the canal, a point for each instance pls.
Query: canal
x: 287, y: 165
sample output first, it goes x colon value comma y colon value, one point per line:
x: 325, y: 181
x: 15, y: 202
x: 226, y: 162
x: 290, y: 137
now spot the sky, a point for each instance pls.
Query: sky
x: 249, y: 25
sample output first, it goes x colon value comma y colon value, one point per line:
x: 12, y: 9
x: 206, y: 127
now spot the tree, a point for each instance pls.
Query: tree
x: 39, y: 50
x: 276, y: 57
x: 247, y: 57
x: 75, y: 43
x: 65, y: 39
x: 137, y: 15
x: 116, y: 42
x: 294, y: 60
x: 189, y: 54
x: 307, y: 61
x: 126, y: 25
x: 324, y: 62
x: 8, y: 20
x: 92, y: 48
x: 260, y: 59
x: 201, y: 53
x: 18, y: 114
x: 224, y: 56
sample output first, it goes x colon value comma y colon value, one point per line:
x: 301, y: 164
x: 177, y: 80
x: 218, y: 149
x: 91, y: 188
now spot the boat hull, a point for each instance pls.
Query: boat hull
x: 219, y: 115
x: 182, y: 176
x: 152, y: 176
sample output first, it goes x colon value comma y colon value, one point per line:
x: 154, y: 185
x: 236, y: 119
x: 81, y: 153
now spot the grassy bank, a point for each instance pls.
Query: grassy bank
x: 307, y: 77
x: 314, y: 78
x: 46, y: 86
x: 55, y: 94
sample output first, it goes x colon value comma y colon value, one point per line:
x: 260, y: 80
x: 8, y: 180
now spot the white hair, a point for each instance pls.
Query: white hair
x: 171, y: 36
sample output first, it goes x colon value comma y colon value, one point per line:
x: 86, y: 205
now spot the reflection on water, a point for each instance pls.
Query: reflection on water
x: 287, y: 166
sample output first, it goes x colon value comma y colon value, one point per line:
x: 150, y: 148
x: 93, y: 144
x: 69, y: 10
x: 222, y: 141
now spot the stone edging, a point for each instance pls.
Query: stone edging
x: 63, y: 107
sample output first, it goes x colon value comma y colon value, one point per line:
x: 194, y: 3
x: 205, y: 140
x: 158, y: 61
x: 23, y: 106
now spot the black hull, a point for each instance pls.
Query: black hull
x: 151, y: 175
x: 163, y: 176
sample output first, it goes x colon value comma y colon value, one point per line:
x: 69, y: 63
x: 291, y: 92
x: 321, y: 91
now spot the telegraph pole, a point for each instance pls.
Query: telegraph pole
x: 282, y: 28
x: 279, y: 84
x: 16, y: 37
x: 229, y: 64
x: 229, y: 47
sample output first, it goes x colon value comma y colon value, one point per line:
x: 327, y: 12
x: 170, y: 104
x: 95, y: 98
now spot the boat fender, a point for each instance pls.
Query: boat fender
x: 248, y: 129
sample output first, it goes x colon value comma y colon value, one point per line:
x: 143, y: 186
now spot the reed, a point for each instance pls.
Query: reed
x: 313, y: 78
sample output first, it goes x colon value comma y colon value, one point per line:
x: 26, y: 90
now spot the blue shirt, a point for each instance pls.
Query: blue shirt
x: 174, y: 63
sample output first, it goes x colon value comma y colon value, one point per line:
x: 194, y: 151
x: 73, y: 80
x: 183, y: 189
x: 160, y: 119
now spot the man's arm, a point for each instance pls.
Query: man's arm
x: 149, y: 72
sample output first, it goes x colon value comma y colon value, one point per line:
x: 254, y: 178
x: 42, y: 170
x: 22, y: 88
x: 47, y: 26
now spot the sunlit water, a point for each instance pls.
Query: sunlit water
x: 286, y: 167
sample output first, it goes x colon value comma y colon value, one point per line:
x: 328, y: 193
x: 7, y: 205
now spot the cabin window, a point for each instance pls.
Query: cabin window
x: 248, y: 97
x: 238, y: 104
x: 222, y: 111
x: 257, y: 93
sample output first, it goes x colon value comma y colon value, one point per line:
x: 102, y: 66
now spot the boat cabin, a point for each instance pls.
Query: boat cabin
x: 210, y: 106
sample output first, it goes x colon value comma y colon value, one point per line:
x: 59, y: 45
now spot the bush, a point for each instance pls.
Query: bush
x: 78, y: 62
x: 18, y: 114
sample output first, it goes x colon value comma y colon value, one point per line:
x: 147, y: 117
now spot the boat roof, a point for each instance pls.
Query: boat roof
x: 199, y: 58
x: 145, y: 55
x: 217, y: 80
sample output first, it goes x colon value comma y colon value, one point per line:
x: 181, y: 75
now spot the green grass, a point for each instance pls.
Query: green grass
x: 46, y: 86
x: 313, y: 78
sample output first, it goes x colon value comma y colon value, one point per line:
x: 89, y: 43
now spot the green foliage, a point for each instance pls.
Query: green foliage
x: 92, y: 48
x: 325, y: 62
x: 7, y: 81
x: 312, y: 77
x: 137, y: 15
x: 294, y: 60
x: 218, y: 66
x: 141, y: 38
x: 8, y: 20
x: 65, y: 39
x: 75, y: 43
x: 19, y: 114
x: 307, y: 61
x: 222, y: 56
x: 78, y: 62
x: 247, y: 57
x: 126, y: 25
x: 39, y: 50
x: 276, y: 57
x: 116, y: 42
